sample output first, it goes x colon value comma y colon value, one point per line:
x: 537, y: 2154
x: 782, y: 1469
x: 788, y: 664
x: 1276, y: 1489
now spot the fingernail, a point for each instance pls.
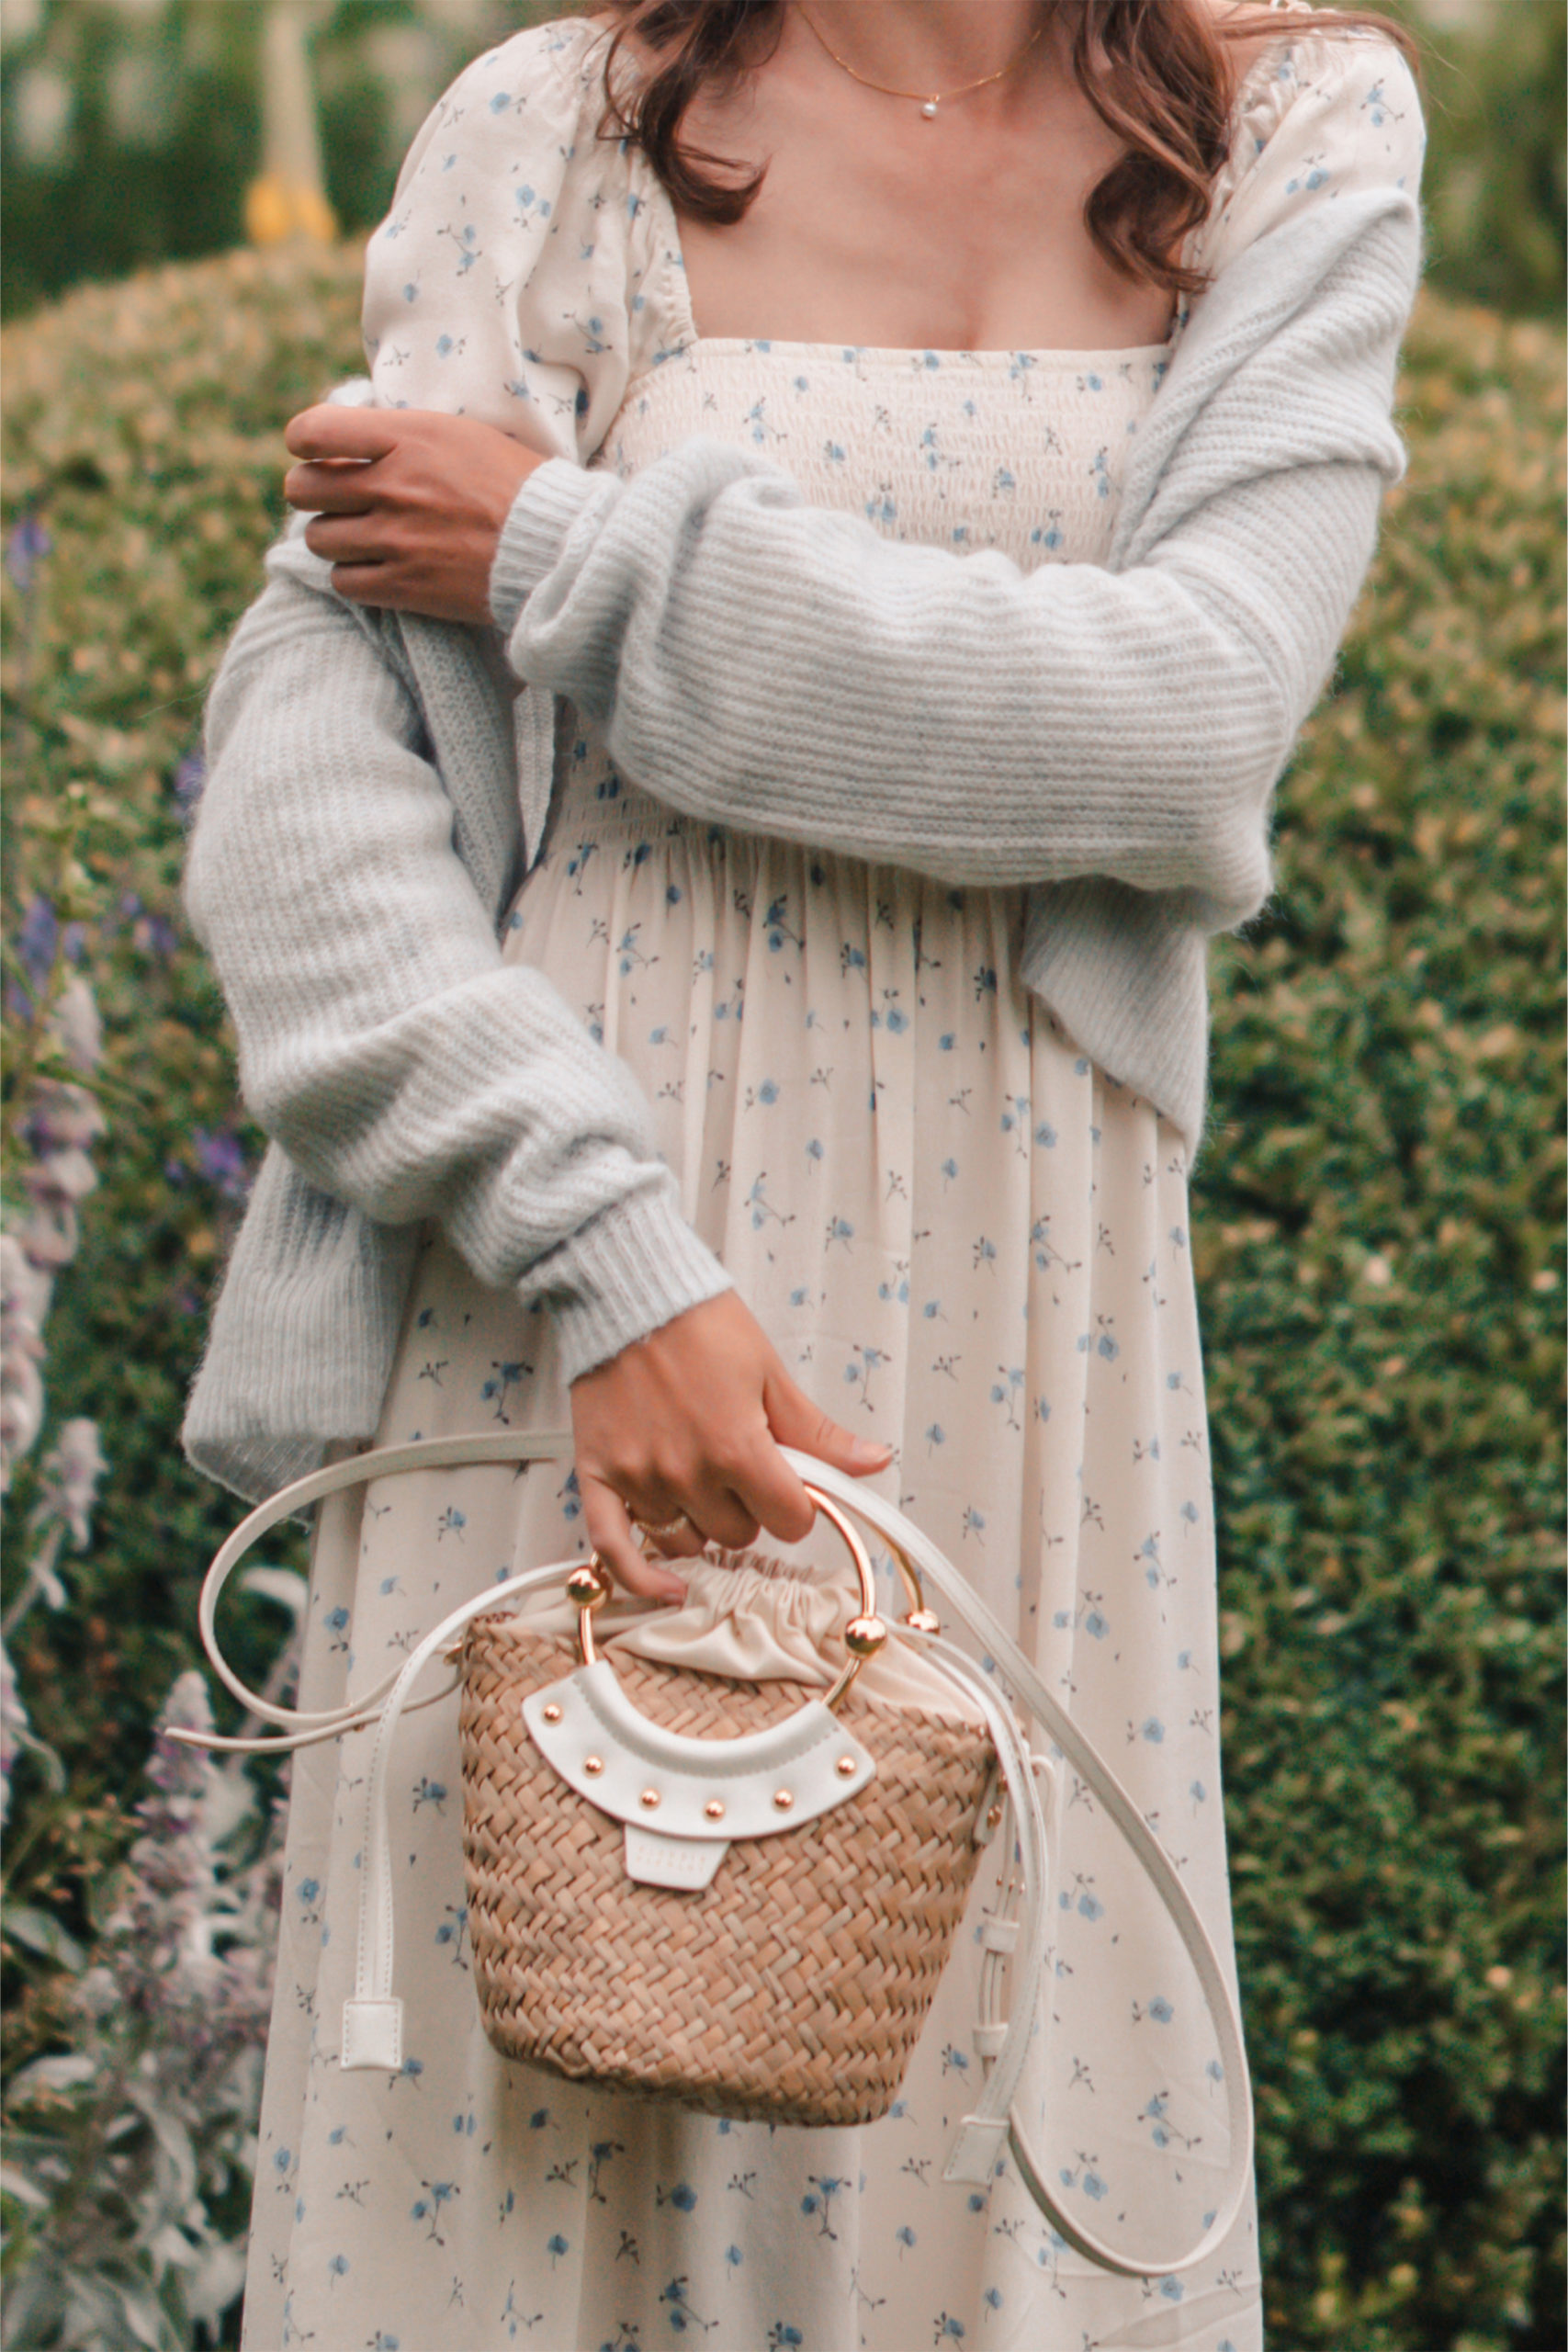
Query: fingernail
x: 871, y: 1451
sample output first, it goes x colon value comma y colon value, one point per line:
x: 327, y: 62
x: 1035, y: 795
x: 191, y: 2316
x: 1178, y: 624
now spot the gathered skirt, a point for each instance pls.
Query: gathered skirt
x: 968, y: 1241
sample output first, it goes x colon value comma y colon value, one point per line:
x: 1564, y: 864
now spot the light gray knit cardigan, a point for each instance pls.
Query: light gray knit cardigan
x: 1110, y: 735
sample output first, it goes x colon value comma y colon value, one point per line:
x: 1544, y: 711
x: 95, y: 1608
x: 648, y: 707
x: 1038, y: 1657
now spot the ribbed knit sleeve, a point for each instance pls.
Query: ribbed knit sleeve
x: 787, y: 670
x: 507, y: 280
x: 406, y: 1069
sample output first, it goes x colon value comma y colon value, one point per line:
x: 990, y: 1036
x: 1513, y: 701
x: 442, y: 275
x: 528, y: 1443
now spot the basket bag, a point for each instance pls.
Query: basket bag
x: 740, y: 1894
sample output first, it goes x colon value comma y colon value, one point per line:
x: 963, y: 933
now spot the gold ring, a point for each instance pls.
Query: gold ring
x: 670, y: 1527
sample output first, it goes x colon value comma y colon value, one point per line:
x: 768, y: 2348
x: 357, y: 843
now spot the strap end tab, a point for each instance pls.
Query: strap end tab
x: 372, y: 2036
x: 976, y: 2150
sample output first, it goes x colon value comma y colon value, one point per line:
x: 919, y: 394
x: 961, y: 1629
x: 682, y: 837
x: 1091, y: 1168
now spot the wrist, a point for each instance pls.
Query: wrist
x: 626, y: 1273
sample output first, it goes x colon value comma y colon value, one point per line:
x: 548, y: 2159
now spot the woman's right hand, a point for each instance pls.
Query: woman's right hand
x: 689, y: 1421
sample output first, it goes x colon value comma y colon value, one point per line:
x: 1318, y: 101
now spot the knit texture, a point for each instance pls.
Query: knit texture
x: 1073, y: 726
x: 1111, y: 736
x: 403, y: 1072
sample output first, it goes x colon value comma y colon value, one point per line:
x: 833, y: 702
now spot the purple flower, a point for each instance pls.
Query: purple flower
x: 69, y: 1486
x: 13, y: 1727
x: 24, y: 551
x: 161, y: 1923
x: 37, y: 938
x: 75, y: 1027
x: 61, y: 1179
x: 221, y: 1160
x: 23, y: 1303
x: 190, y: 777
x: 156, y: 935
x: 63, y: 1115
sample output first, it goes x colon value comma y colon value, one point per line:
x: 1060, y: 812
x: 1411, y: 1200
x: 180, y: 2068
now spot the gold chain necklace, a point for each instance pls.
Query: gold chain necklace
x: 928, y: 105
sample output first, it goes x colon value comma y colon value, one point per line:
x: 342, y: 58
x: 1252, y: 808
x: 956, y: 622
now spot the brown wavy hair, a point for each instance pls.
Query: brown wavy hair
x: 1155, y: 72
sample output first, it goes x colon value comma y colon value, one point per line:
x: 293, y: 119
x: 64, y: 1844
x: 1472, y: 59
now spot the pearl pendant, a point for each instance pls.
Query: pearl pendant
x: 929, y: 109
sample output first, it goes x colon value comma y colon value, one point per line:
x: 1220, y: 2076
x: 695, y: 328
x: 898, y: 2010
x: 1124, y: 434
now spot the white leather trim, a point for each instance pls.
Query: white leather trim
x: 976, y: 2149
x: 373, y: 2035
x: 688, y: 1862
x: 799, y: 1757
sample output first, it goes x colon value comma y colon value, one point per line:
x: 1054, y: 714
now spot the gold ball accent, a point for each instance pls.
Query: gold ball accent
x: 844, y: 1767
x: 593, y: 1763
x: 551, y: 1714
x: 863, y: 1636
x: 994, y: 1817
x: 649, y: 1798
x: 715, y: 1809
x: 783, y: 1799
x: 586, y: 1588
x: 923, y: 1621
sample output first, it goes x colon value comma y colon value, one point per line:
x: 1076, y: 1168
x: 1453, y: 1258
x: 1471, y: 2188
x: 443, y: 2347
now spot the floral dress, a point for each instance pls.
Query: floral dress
x: 967, y: 1240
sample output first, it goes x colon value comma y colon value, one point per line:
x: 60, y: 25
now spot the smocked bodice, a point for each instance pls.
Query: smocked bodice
x: 1018, y: 450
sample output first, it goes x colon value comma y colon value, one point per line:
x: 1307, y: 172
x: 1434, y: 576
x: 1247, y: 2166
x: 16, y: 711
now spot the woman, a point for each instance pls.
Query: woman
x: 906, y: 678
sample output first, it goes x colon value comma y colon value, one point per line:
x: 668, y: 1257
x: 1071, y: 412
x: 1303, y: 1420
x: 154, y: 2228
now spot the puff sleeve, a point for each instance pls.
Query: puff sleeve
x: 1319, y: 117
x: 505, y: 282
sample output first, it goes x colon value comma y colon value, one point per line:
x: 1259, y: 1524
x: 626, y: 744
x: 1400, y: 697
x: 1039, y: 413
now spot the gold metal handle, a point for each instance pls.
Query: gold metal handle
x: 920, y: 1619
x: 589, y: 1587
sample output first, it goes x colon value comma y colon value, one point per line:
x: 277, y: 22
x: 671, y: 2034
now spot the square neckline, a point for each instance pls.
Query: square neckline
x: 893, y: 354
x: 1060, y: 355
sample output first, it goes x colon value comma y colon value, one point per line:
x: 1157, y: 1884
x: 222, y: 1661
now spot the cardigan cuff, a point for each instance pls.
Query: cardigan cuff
x: 627, y: 1271
x: 535, y: 530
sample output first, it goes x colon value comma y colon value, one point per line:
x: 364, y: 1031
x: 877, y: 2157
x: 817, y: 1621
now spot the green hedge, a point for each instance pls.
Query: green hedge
x: 1378, y: 1214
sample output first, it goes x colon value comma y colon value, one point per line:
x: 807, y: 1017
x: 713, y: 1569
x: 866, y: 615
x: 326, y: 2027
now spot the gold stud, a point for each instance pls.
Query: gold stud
x: 552, y: 1713
x: 586, y: 1586
x: 844, y: 1767
x: 714, y: 1809
x: 593, y: 1763
x: 783, y: 1799
x: 649, y: 1798
x: 993, y: 1818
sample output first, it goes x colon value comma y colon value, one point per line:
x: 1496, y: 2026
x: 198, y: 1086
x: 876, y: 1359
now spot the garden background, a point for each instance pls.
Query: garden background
x: 1378, y: 1213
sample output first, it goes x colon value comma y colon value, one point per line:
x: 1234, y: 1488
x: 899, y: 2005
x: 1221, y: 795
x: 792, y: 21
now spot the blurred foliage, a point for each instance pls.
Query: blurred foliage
x: 1379, y: 1222
x: 1377, y: 1210
x: 133, y: 128
x: 1494, y: 75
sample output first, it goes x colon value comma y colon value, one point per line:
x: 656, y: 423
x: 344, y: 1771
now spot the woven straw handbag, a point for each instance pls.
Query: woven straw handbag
x: 738, y: 1895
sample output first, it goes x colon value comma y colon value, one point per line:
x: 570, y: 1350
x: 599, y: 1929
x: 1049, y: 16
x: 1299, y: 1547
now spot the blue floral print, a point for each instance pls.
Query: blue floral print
x: 962, y: 1237
x: 944, y: 1213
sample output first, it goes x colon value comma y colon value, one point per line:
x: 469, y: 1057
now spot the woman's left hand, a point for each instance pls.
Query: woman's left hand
x: 408, y: 503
